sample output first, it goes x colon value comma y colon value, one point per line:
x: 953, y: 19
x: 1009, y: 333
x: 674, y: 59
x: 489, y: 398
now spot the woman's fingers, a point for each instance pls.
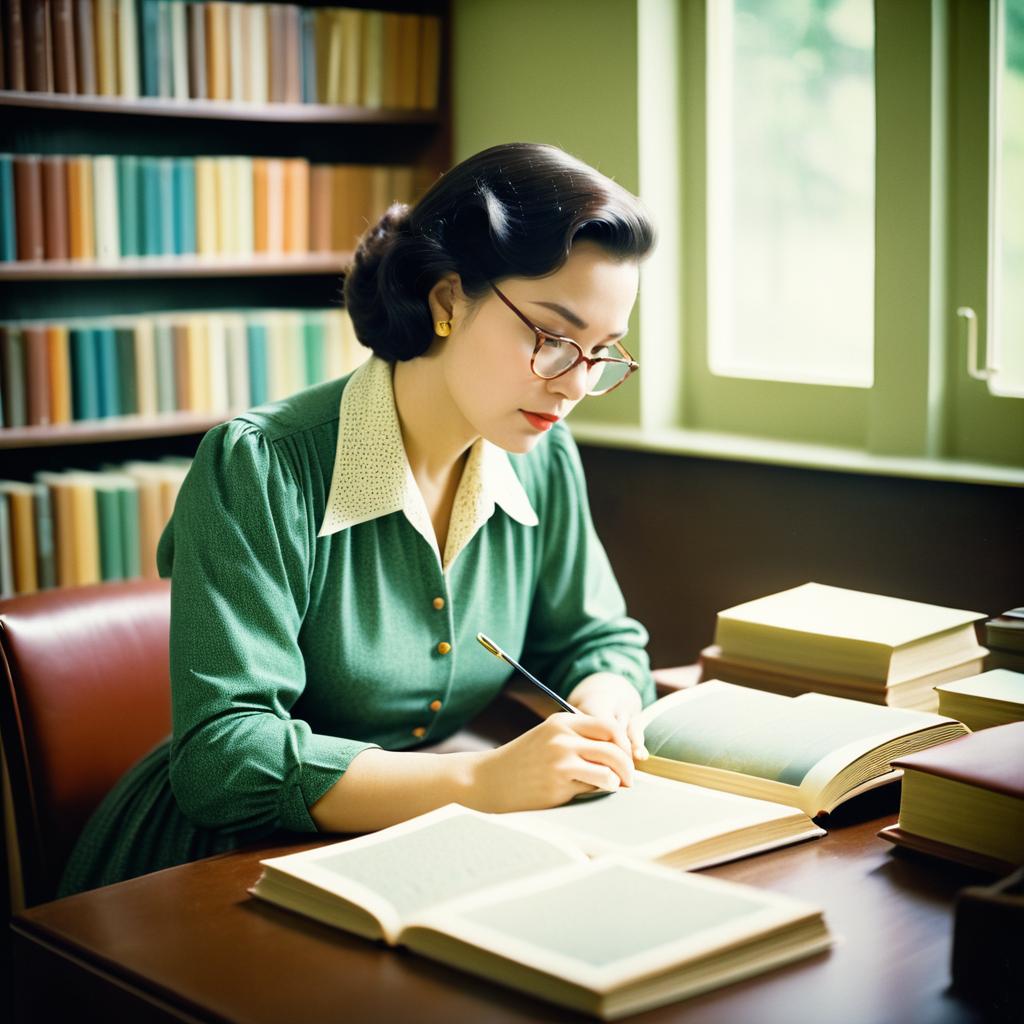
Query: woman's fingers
x: 604, y: 728
x: 635, y: 733
x: 596, y: 775
x: 611, y: 756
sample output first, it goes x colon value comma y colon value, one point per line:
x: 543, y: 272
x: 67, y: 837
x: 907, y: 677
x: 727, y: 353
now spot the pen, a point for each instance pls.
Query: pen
x: 491, y: 646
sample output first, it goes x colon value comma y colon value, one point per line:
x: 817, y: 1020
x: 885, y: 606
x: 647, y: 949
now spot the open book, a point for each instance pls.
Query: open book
x: 608, y: 937
x: 811, y: 752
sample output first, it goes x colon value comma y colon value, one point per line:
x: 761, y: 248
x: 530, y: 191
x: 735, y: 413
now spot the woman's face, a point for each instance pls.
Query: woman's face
x: 485, y: 361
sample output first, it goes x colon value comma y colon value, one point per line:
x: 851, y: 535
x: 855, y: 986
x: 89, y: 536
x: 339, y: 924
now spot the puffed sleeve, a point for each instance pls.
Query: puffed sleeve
x: 238, y: 551
x: 578, y: 623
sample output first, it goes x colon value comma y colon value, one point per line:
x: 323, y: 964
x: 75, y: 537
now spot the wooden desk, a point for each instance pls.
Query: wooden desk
x: 189, y: 944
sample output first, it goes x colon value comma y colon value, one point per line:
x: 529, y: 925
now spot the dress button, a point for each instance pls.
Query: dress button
x: 435, y: 705
x: 419, y: 732
x: 443, y: 647
x: 438, y: 603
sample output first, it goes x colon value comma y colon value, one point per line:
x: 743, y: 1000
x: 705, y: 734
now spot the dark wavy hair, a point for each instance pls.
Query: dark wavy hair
x: 513, y: 210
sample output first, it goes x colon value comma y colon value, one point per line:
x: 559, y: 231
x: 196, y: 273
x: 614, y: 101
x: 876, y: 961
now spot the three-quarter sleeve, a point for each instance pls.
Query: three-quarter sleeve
x: 578, y: 623
x: 238, y: 551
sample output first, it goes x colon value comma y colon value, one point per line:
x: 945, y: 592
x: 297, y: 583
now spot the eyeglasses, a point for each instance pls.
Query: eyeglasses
x: 554, y: 356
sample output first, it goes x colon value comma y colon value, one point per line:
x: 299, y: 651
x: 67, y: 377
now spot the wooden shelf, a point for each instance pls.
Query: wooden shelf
x: 217, y: 110
x: 116, y: 428
x: 259, y: 265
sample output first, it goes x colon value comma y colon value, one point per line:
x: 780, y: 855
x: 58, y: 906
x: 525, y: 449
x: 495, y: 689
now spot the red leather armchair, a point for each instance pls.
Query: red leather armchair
x: 84, y: 693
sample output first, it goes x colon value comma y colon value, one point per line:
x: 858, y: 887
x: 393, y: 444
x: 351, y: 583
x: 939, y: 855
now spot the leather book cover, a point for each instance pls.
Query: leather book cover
x: 14, y: 47
x: 62, y: 32
x: 28, y: 205
x: 55, y: 208
x: 296, y: 205
x: 958, y: 854
x: 81, y: 240
x: 320, y: 212
x: 37, y: 375
x: 39, y: 62
x: 85, y: 47
x: 60, y: 373
x: 991, y: 759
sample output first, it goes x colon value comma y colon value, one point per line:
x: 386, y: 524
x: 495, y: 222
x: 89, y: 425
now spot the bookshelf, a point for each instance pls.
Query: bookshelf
x: 54, y: 124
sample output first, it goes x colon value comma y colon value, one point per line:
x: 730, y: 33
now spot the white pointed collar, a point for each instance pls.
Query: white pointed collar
x: 372, y: 476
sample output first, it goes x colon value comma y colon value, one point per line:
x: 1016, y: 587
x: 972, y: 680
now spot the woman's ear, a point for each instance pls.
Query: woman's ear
x: 444, y: 297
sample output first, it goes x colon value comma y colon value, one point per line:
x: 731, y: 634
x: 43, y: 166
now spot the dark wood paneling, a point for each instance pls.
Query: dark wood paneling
x: 690, y: 536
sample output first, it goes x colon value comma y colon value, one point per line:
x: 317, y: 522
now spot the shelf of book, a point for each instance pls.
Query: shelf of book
x: 119, y: 428
x: 255, y: 265
x: 217, y: 110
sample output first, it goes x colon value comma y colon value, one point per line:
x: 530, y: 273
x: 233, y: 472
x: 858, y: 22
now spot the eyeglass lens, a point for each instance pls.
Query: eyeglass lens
x: 555, y: 357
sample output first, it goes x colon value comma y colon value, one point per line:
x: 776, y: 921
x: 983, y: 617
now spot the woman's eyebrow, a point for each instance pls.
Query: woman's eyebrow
x: 568, y: 314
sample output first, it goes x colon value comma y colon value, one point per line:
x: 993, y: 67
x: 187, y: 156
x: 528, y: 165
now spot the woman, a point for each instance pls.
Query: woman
x: 334, y: 555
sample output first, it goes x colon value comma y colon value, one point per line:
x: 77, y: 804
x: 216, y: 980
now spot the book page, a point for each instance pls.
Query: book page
x: 768, y: 736
x: 431, y: 859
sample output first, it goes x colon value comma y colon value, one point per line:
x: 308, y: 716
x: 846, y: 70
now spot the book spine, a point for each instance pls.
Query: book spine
x: 308, y: 62
x: 165, y: 179
x: 164, y: 59
x: 55, y: 208
x: 372, y: 86
x: 12, y: 361
x: 105, y: 36
x: 37, y: 375
x: 127, y: 49
x: 107, y: 374
x: 85, y: 529
x: 80, y: 205
x: 14, y: 46
x: 352, y: 60
x: 146, y: 372
x: 197, y: 86
x: 152, y: 217
x: 238, y: 363
x: 166, y: 387
x: 129, y: 205
x: 84, y: 373
x: 217, y: 70
x: 321, y: 215
x: 128, y: 499
x: 259, y: 70
x: 105, y: 216
x: 236, y: 60
x: 46, y: 568
x: 127, y: 393
x: 256, y: 338
x: 149, y: 26
x: 60, y: 373
x: 108, y: 515
x: 179, y: 51
x: 65, y: 66
x: 23, y: 540
x: 39, y: 67
x: 296, y: 222
x: 6, y: 550
x: 185, y: 206
x: 85, y: 48
x: 28, y: 202
x: 8, y: 236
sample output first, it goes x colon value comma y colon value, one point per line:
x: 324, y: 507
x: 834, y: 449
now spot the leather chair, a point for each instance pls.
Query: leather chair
x: 84, y: 693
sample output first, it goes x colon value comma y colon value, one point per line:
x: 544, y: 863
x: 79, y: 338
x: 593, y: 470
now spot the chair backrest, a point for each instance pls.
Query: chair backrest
x: 84, y: 693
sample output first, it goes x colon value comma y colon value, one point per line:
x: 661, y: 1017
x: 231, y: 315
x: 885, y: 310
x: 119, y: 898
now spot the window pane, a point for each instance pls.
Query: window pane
x: 1007, y: 349
x: 791, y: 149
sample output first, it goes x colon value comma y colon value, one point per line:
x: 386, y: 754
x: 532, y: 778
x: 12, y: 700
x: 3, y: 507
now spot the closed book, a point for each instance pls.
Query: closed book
x: 46, y: 566
x: 184, y: 206
x: 129, y: 206
x: 109, y: 527
x: 12, y: 377
x: 198, y: 364
x: 429, y: 62
x: 144, y: 341
x: 149, y: 34
x: 327, y: 41
x: 227, y: 233
x: 152, y: 215
x: 59, y: 364
x: 105, y: 36
x: 65, y: 64
x: 276, y: 57
x: 85, y: 373
x: 256, y: 85
x: 197, y: 85
x: 408, y: 76
x: 260, y: 204
x: 127, y: 393
x: 964, y: 800
x: 164, y: 57
x: 81, y: 227
x: 321, y: 217
x: 351, y: 207
x: 831, y: 629
x: 296, y: 205
x: 207, y: 243
x: 218, y: 398
x: 108, y: 372
x: 14, y: 46
x: 218, y: 72
x: 307, y: 69
x: 1006, y: 631
x: 131, y: 554
x: 38, y: 53
x: 21, y: 518
x: 275, y: 205
x: 127, y: 50
x: 984, y: 700
x: 256, y: 343
x: 85, y: 47
x: 313, y: 342
x: 151, y: 522
x: 37, y: 374
x: 8, y: 234
x: 372, y: 59
x: 178, y: 38
x: 105, y: 209
x: 238, y: 361
x: 63, y: 527
x: 85, y: 527
x: 242, y: 199
x: 28, y: 205
x: 56, y: 244
x: 165, y: 179
x: 6, y: 550
x: 351, y: 57
x: 292, y: 55
x: 236, y: 52
x: 391, y: 71
x: 182, y: 353
x: 166, y: 379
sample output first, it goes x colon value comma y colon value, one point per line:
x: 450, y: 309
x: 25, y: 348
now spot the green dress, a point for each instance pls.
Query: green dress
x: 312, y: 616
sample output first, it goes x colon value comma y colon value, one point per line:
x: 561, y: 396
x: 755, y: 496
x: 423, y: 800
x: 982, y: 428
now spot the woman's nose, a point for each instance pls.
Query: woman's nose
x: 573, y: 385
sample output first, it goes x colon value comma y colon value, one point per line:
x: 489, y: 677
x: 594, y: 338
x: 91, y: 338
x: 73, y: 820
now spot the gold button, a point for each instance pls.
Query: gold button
x: 443, y: 648
x: 435, y: 705
x: 438, y: 603
x: 419, y: 732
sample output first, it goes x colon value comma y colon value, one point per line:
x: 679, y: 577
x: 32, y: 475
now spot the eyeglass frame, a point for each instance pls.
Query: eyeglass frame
x: 541, y: 334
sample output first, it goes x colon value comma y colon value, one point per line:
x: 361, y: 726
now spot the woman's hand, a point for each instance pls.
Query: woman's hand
x: 567, y: 754
x: 608, y: 696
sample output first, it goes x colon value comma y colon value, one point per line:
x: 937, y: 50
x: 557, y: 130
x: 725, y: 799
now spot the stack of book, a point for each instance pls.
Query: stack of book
x: 993, y: 698
x: 1004, y: 636
x: 244, y: 53
x: 75, y: 527
x: 107, y: 209
x: 822, y: 639
x: 964, y: 800
x: 211, y: 362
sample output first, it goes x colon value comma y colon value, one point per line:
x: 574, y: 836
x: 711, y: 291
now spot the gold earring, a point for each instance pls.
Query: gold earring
x: 443, y: 328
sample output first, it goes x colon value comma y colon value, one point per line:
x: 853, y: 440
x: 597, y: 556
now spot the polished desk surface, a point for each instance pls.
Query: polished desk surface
x: 189, y: 943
